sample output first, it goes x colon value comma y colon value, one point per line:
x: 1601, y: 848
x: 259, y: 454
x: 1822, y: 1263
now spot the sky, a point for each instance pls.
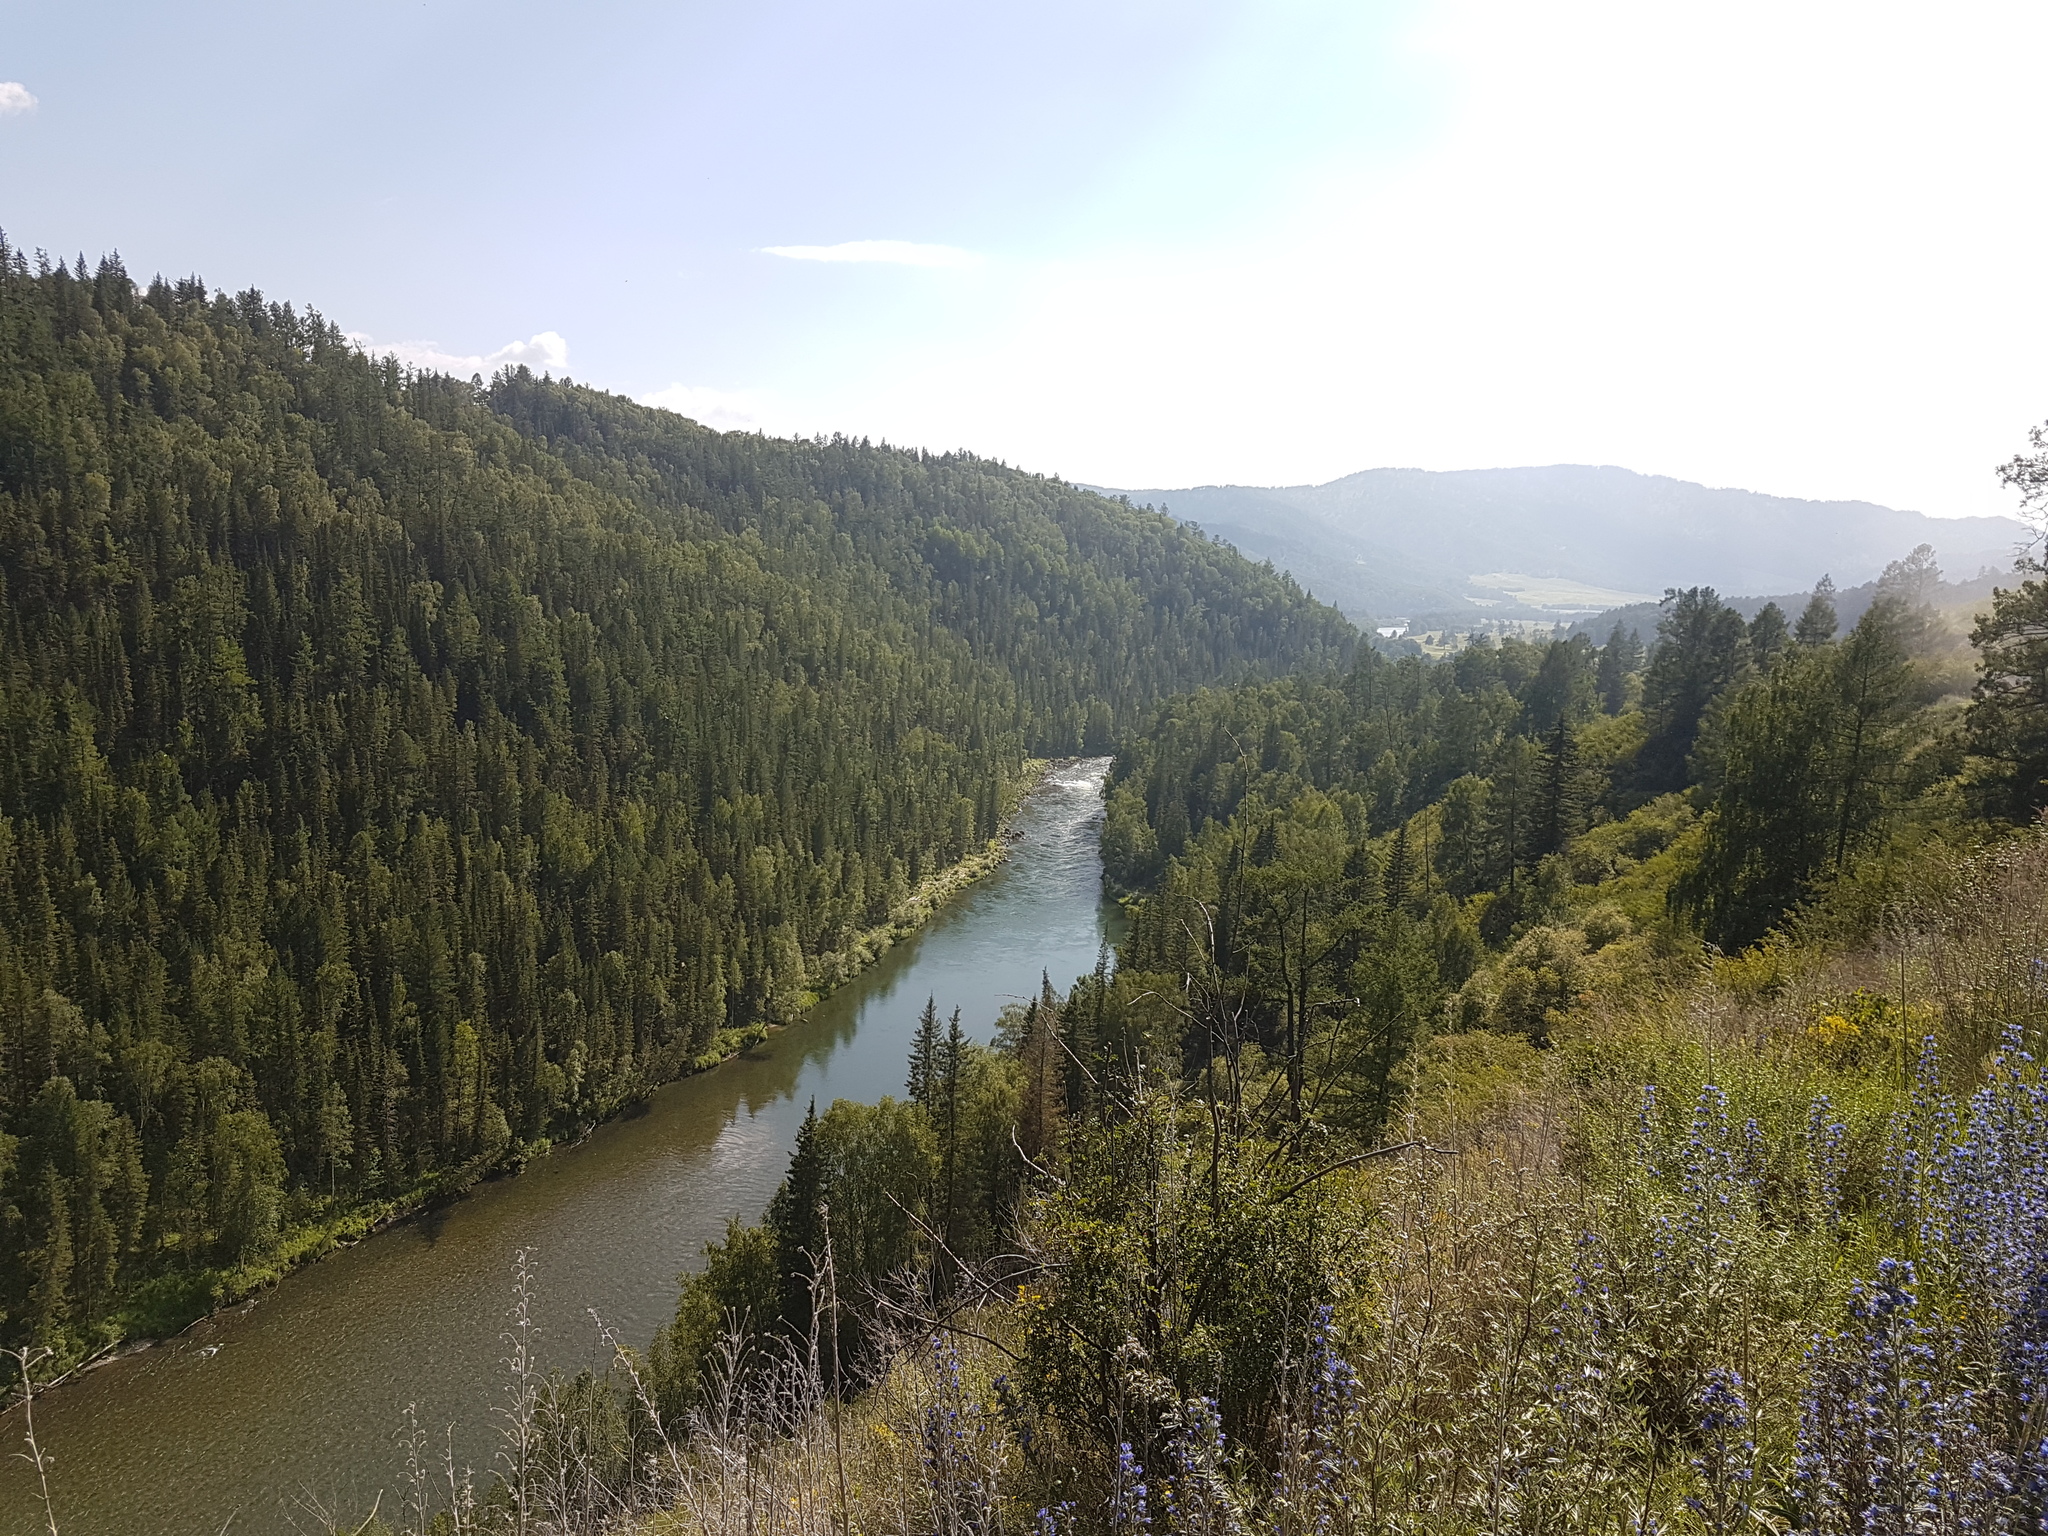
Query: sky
x: 1788, y: 246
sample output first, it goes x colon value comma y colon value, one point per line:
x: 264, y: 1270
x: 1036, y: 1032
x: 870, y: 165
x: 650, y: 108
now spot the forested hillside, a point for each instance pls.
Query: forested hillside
x: 1419, y: 1168
x: 396, y: 772
x: 1468, y: 835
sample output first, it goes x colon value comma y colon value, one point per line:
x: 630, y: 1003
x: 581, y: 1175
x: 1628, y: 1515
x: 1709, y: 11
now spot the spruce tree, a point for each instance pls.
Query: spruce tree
x: 1399, y: 880
x: 799, y: 1229
x: 1563, y: 811
x: 926, y: 1058
x: 948, y: 1082
x: 1038, y: 1116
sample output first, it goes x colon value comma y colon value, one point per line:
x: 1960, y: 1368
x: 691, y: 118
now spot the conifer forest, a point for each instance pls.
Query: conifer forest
x: 1583, y: 1082
x: 400, y: 773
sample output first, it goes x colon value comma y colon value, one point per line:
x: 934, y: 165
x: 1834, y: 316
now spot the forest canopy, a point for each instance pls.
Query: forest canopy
x: 397, y: 772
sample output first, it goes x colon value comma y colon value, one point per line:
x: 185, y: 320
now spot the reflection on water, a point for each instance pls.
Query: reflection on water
x: 296, y: 1400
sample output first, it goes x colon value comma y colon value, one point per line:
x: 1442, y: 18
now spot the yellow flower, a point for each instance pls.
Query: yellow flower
x: 1835, y: 1037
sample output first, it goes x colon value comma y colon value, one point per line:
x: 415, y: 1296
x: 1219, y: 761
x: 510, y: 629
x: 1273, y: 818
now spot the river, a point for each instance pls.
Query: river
x: 257, y: 1420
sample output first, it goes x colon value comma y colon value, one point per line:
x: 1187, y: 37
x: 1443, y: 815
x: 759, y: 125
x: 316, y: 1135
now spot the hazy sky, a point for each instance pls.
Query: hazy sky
x: 1794, y: 247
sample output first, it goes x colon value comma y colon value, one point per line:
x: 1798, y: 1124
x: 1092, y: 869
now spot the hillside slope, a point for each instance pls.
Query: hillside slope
x: 1563, y: 539
x: 395, y: 772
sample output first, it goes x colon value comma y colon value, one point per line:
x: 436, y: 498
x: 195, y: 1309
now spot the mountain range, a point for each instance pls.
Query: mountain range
x: 1563, y: 540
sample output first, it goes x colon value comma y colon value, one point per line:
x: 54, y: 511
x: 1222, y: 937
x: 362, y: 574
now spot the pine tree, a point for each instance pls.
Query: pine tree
x: 1809, y: 755
x: 1817, y: 622
x: 1462, y: 821
x: 1564, y: 685
x: 1768, y: 632
x: 2007, y: 722
x: 1620, y: 659
x: 1872, y: 675
x: 1701, y: 648
x: 1768, y: 831
x: 1514, y: 815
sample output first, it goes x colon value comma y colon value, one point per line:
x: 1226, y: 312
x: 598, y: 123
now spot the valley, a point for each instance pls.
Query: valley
x: 543, y: 957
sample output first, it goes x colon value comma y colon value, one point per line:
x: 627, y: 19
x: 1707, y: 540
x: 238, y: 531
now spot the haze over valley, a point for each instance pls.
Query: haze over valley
x: 1563, y: 541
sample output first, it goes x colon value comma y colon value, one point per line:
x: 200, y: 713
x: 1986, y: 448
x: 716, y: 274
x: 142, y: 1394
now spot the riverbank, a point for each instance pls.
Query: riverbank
x: 305, y: 1391
x: 933, y: 892
x: 169, y: 1305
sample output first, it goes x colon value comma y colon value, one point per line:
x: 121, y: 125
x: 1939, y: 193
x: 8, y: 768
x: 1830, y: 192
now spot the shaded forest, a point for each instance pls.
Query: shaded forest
x: 398, y: 773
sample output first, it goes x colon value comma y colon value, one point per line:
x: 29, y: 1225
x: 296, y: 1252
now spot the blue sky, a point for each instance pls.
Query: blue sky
x: 1790, y: 246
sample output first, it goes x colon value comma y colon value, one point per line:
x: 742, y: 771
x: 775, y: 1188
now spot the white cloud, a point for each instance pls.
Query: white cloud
x: 547, y: 352
x: 900, y: 253
x: 727, y: 410
x: 15, y: 97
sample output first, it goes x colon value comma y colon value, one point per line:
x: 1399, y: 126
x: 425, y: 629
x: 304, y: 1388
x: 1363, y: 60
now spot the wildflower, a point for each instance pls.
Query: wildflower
x: 1893, y: 1436
x: 961, y: 1498
x: 1196, y: 1497
x: 1824, y: 1136
x: 1708, y: 1171
x: 1726, y: 1465
x: 1127, y: 1507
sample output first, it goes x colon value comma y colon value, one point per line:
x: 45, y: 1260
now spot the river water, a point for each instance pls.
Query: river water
x: 257, y: 1420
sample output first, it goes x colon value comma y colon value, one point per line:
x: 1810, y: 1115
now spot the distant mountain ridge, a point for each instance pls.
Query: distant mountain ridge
x: 1562, y: 540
